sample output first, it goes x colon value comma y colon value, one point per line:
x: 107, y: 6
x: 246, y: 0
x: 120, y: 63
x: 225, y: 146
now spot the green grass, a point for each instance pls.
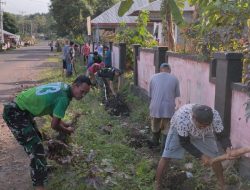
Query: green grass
x: 114, y: 147
x: 130, y: 169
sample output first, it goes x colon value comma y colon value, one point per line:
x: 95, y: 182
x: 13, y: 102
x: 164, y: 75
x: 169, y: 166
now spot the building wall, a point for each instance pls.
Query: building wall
x: 195, y: 87
x: 115, y: 56
x: 194, y: 81
x: 240, y: 129
x: 146, y: 68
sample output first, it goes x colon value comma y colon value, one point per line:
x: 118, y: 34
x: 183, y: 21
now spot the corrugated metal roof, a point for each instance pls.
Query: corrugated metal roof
x: 111, y: 15
x: 156, y: 7
x: 8, y: 33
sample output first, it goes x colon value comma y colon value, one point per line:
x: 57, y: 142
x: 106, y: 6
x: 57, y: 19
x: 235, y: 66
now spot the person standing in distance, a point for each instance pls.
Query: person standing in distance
x: 65, y: 51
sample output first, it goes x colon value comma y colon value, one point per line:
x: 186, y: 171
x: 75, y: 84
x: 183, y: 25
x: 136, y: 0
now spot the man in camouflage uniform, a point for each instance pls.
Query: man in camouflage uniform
x: 51, y: 99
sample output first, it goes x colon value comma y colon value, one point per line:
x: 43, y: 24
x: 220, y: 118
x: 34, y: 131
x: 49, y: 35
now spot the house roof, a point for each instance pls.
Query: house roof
x: 7, y: 33
x: 10, y: 35
x: 156, y: 7
x: 111, y: 15
x: 152, y: 7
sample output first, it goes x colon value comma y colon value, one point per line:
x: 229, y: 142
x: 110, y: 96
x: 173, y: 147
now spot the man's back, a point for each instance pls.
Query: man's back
x: 86, y: 49
x: 70, y: 54
x: 163, y: 90
x: 107, y: 73
x: 49, y: 99
x: 65, y: 51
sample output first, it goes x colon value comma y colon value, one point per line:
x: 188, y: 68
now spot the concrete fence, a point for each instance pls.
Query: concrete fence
x: 119, y: 56
x: 215, y: 83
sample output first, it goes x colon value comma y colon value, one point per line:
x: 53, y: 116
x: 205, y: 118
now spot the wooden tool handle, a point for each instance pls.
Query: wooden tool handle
x: 234, y: 153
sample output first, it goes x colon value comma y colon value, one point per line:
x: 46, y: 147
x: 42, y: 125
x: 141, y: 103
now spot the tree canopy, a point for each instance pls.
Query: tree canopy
x: 10, y: 23
x: 71, y: 15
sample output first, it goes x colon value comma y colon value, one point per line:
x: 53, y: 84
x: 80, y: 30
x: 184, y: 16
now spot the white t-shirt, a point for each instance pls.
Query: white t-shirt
x: 183, y: 122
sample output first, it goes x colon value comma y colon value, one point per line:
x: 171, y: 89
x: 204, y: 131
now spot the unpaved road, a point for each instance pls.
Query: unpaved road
x: 18, y: 69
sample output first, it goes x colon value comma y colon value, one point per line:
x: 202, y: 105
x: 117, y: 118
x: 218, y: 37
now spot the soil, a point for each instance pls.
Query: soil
x: 137, y: 139
x: 19, y: 69
x: 116, y: 105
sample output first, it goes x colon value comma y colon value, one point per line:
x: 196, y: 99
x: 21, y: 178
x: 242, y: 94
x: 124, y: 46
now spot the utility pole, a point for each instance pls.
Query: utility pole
x: 31, y: 28
x: 22, y: 13
x: 1, y: 22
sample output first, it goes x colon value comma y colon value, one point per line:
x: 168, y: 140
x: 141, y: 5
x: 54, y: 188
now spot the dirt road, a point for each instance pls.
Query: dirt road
x: 18, y: 69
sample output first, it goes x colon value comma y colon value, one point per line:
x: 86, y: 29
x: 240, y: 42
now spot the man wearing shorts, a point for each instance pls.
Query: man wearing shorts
x: 193, y: 128
x: 50, y: 99
x: 163, y: 92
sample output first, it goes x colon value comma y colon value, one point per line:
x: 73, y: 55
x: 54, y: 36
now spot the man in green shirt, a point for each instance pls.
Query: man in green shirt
x: 50, y: 99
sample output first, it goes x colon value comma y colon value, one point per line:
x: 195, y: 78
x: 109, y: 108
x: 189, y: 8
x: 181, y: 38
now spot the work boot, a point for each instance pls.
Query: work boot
x: 163, y: 140
x: 154, y: 142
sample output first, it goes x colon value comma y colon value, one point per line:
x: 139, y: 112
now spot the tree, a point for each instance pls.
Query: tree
x: 221, y: 24
x: 10, y: 23
x: 171, y: 11
x: 99, y: 6
x: 35, y: 24
x: 172, y: 14
x: 70, y: 15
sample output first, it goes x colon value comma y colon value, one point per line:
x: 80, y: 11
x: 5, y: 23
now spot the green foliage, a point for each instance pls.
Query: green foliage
x: 140, y: 112
x: 10, y: 23
x: 127, y: 168
x: 145, y: 166
x: 38, y: 23
x: 139, y: 35
x: 114, y: 164
x: 71, y: 15
x: 219, y: 25
x: 124, y: 7
x: 173, y: 7
x: 114, y: 148
x: 170, y: 10
x: 97, y: 7
x: 79, y: 39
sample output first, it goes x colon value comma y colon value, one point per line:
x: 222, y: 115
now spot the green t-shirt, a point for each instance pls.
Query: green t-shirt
x: 50, y: 99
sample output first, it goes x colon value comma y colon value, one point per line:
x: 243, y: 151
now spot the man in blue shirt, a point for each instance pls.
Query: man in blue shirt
x: 107, y: 59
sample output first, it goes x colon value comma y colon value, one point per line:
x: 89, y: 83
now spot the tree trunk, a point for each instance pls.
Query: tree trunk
x: 170, y: 34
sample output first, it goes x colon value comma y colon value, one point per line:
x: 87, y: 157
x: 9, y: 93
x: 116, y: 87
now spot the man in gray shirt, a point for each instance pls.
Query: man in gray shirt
x: 163, y: 91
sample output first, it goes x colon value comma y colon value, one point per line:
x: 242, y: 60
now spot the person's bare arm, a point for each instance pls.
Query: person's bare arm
x: 162, y: 165
x: 58, y: 125
x: 177, y: 103
x: 111, y: 86
x: 119, y: 83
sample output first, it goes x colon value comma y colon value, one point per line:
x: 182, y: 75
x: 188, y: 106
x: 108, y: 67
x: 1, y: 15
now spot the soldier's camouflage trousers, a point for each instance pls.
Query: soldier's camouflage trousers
x: 23, y: 127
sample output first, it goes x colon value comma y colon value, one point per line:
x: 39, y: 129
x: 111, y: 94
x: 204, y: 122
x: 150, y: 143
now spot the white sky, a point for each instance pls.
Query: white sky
x: 26, y: 6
